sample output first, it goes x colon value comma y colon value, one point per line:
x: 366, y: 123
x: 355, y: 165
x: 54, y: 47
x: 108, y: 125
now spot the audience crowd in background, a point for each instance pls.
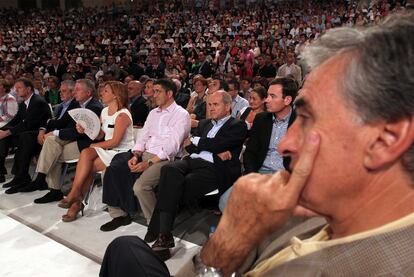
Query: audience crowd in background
x: 166, y: 40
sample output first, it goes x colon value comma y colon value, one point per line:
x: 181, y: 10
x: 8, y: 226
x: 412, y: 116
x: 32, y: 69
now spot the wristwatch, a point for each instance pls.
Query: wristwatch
x: 204, y: 270
x: 150, y: 162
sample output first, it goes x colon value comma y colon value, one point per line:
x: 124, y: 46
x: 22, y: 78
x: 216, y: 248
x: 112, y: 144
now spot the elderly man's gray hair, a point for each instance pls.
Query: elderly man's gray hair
x: 69, y: 83
x: 225, y: 96
x: 88, y: 84
x: 379, y: 79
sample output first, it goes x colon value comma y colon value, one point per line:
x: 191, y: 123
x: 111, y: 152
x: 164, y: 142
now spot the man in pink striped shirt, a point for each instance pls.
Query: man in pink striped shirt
x: 158, y: 142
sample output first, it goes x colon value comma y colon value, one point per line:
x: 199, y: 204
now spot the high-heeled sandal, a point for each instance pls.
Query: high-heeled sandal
x: 73, y: 212
x: 66, y: 204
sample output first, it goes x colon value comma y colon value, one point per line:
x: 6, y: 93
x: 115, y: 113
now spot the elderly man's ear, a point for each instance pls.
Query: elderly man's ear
x: 389, y: 143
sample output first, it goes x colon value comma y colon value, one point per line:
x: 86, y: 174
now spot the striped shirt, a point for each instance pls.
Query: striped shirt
x: 8, y: 108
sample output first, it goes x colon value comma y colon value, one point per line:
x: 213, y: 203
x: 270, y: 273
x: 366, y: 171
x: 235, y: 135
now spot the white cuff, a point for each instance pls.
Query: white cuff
x: 195, y: 140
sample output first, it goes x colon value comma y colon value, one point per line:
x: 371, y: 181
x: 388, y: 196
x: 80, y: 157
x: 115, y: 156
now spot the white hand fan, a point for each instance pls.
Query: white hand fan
x: 88, y: 120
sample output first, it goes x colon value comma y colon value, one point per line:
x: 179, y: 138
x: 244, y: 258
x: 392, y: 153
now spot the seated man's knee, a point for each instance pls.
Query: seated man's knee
x: 169, y: 167
x: 142, y: 186
x: 49, y: 140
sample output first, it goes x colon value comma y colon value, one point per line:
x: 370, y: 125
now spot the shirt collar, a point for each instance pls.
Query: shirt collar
x: 28, y: 100
x: 170, y: 108
x: 83, y: 105
x: 286, y: 118
x: 237, y: 98
x: 67, y: 103
x: 220, y: 121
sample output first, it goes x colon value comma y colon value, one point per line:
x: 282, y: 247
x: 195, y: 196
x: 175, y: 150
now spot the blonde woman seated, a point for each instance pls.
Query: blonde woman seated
x: 118, y: 137
x: 149, y: 93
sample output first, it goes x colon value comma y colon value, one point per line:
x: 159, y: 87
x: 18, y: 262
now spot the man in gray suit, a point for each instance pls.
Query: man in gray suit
x: 353, y: 164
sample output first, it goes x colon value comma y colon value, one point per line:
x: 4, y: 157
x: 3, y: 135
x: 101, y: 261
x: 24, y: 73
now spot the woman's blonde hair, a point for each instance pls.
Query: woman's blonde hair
x: 120, y: 91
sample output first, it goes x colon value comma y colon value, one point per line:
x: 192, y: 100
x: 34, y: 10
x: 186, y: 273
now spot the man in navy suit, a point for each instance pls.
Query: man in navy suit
x: 32, y: 142
x: 213, y: 164
x: 33, y: 112
x: 270, y: 127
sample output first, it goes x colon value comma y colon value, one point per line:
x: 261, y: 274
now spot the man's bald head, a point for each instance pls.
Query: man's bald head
x: 134, y: 88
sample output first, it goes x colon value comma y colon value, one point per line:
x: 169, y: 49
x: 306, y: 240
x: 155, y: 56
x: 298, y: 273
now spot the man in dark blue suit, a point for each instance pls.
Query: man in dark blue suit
x: 33, y: 112
x: 31, y: 142
x: 213, y: 164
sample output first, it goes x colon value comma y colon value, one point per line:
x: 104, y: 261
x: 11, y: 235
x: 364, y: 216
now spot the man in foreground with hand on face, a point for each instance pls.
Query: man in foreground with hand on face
x: 353, y: 163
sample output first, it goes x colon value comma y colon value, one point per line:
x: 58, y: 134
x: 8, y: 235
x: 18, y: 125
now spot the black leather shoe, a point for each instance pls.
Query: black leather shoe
x: 32, y: 186
x: 150, y: 236
x: 116, y: 223
x: 52, y: 196
x: 14, y: 189
x: 10, y: 183
x: 164, y: 241
x: 17, y: 181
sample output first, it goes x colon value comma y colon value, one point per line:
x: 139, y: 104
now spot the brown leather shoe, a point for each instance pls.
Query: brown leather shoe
x: 164, y: 241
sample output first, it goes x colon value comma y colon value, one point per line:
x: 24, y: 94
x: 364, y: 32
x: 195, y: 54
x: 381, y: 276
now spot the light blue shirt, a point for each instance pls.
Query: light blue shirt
x: 237, y: 105
x: 206, y: 155
x: 65, y: 106
x: 274, y: 161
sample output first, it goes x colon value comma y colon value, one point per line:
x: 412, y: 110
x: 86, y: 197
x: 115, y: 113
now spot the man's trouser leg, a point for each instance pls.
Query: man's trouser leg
x: 4, y: 151
x: 54, y: 152
x: 181, y: 180
x: 145, y: 184
x: 27, y: 148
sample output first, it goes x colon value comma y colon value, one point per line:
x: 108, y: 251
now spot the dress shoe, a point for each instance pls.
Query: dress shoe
x: 116, y: 223
x: 73, y: 212
x: 163, y: 254
x: 2, y: 178
x: 14, y: 189
x: 10, y: 184
x: 150, y: 236
x: 17, y: 181
x: 51, y: 196
x: 164, y: 241
x: 32, y: 186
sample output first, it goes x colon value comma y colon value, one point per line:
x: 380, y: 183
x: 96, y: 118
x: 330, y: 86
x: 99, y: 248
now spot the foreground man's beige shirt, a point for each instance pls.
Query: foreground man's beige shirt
x: 320, y: 241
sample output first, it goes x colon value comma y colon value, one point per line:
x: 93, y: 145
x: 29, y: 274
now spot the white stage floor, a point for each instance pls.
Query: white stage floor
x: 25, y: 252
x: 35, y: 242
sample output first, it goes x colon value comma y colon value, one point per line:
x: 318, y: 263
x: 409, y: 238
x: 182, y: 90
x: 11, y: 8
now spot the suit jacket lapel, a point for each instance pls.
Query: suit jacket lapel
x: 267, y: 131
x: 207, y: 129
x: 228, y: 122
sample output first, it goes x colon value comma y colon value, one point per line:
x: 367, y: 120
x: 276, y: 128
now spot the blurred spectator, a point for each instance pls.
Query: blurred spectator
x: 256, y: 106
x: 52, y: 95
x: 137, y: 103
x: 290, y: 68
x: 238, y: 103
